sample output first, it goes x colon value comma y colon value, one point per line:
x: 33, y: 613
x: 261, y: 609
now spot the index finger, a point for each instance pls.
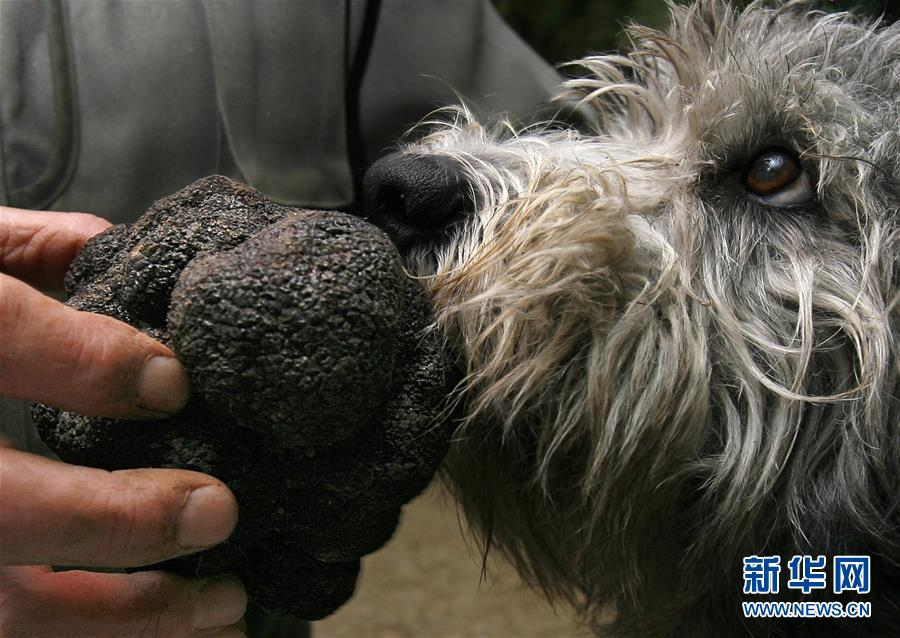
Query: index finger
x: 38, y: 246
x: 85, y: 362
x: 53, y: 513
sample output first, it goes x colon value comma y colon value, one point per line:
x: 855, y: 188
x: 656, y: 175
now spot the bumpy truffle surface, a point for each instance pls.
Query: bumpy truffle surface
x: 317, y: 393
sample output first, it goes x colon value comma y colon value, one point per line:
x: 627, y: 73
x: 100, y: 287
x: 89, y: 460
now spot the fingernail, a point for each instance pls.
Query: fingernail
x: 163, y: 385
x: 222, y: 602
x: 208, y: 517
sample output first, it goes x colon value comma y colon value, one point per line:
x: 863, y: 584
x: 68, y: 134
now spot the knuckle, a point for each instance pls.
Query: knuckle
x: 141, y: 512
x: 100, y: 356
x: 122, y: 515
x: 38, y: 245
x: 127, y: 531
x: 14, y: 246
x: 91, y: 350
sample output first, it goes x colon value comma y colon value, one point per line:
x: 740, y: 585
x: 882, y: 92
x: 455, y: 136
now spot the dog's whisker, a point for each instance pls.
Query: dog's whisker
x: 679, y: 332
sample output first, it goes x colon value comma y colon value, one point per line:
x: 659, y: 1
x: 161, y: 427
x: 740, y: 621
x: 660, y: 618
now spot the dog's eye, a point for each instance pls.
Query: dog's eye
x: 776, y: 177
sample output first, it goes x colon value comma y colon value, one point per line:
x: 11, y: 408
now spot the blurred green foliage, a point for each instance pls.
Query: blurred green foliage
x: 563, y: 30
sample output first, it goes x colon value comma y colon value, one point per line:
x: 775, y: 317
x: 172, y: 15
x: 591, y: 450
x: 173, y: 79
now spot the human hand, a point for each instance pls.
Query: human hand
x: 74, y: 360
x: 52, y: 513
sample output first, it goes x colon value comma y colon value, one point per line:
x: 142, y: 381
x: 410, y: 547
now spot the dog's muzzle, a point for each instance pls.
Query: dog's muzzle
x: 415, y: 198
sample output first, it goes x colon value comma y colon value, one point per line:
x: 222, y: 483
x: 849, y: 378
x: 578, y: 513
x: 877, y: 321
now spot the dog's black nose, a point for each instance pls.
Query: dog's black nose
x: 414, y: 197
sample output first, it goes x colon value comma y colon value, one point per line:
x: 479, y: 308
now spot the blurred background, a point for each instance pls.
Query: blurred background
x: 563, y: 30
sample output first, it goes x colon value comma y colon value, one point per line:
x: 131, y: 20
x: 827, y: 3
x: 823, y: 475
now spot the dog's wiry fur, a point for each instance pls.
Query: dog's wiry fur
x: 664, y: 374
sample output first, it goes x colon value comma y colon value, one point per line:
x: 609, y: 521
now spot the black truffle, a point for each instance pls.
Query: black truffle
x: 317, y: 390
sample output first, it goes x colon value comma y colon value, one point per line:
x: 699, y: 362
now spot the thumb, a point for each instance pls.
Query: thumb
x: 84, y: 362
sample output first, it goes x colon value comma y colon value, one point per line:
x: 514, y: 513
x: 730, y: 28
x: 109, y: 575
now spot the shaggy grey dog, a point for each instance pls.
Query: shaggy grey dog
x: 680, y: 329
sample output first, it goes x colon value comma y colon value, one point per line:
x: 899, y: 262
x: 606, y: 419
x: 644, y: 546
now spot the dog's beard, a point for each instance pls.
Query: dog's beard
x: 637, y: 408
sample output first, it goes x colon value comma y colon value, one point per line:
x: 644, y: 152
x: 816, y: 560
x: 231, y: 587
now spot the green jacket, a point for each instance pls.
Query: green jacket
x: 106, y: 106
